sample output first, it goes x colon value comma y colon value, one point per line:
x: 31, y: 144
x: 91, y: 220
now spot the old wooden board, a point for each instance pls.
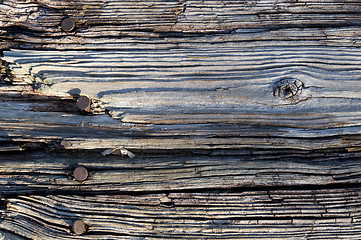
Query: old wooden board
x: 253, y: 196
x: 191, y: 97
x: 193, y: 119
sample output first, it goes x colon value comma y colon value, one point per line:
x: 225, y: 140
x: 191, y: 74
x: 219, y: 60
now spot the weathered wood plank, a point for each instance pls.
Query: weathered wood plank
x: 218, y: 100
x: 38, y: 23
x: 287, y: 214
x: 42, y: 172
x: 192, y: 97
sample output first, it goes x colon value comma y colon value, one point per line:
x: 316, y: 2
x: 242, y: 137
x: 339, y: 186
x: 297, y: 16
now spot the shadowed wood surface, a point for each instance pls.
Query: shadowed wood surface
x: 189, y: 119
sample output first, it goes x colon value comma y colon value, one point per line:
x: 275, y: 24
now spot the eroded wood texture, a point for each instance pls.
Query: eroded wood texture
x: 286, y: 215
x: 185, y: 74
x: 29, y: 24
x: 247, y: 195
x: 44, y: 172
x: 243, y: 117
x: 200, y: 96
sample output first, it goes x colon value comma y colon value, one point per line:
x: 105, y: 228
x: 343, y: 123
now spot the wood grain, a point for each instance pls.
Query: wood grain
x: 29, y: 24
x: 220, y: 195
x: 42, y: 172
x: 233, y: 215
x: 193, y: 97
x: 242, y: 116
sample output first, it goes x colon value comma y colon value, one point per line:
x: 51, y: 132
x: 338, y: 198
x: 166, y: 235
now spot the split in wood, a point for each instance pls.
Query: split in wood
x: 39, y: 102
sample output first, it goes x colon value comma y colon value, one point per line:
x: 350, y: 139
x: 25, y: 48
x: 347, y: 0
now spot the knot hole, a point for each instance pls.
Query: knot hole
x: 288, y: 88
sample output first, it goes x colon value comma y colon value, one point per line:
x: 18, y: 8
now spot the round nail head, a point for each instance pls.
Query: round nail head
x: 68, y: 24
x: 83, y: 103
x: 80, y: 173
x: 79, y: 227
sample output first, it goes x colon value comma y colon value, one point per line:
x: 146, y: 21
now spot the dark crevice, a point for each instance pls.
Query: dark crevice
x: 20, y: 29
x: 6, y: 76
x: 53, y: 149
x: 13, y: 30
x: 46, y: 191
x: 47, y: 103
x: 43, y: 47
x: 3, y: 204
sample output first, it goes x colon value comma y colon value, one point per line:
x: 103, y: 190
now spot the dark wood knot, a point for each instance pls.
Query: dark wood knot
x: 288, y: 88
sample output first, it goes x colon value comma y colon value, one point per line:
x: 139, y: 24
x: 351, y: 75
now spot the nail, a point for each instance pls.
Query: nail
x: 68, y: 24
x: 83, y: 103
x: 80, y: 173
x: 79, y: 227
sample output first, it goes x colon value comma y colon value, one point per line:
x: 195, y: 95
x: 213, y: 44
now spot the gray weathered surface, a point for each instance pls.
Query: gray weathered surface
x: 243, y: 117
x: 44, y: 172
x: 254, y: 195
x: 286, y: 215
x: 108, y: 24
x: 196, y: 97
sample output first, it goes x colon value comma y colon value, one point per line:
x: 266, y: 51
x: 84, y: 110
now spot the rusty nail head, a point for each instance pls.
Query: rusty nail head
x: 80, y: 173
x: 68, y: 24
x: 83, y: 103
x: 79, y: 227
